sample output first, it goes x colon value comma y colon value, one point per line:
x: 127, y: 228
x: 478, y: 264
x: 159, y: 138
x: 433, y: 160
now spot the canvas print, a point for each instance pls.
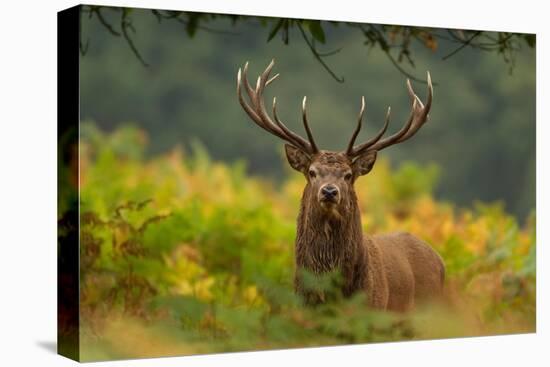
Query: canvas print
x: 239, y: 182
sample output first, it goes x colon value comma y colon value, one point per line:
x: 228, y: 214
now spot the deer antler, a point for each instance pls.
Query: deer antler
x: 417, y: 118
x: 256, y: 110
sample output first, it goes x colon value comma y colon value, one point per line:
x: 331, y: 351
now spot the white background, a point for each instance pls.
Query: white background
x: 28, y: 182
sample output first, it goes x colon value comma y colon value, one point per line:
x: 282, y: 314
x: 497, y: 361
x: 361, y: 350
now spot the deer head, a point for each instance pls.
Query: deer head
x: 330, y: 175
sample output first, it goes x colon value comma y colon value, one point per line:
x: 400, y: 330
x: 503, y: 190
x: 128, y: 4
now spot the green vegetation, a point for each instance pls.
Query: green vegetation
x: 182, y: 254
x: 188, y: 215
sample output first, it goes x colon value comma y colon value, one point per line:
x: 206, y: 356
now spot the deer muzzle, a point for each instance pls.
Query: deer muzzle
x: 329, y: 194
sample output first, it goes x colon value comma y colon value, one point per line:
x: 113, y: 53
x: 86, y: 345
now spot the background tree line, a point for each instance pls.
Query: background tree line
x: 173, y: 74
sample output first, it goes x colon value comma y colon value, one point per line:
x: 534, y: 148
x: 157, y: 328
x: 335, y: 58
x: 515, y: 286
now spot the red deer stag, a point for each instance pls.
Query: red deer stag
x: 396, y: 270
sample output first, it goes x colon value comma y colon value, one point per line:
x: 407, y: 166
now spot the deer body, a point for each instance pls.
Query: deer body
x: 389, y: 268
x: 396, y: 270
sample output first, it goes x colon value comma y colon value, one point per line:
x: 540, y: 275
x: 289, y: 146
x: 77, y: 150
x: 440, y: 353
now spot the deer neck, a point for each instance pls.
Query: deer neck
x: 328, y: 242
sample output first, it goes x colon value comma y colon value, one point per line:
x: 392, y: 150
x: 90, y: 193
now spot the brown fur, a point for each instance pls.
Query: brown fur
x: 396, y: 270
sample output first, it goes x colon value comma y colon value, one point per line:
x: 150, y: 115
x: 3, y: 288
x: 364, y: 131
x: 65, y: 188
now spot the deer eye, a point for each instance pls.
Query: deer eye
x: 347, y: 177
x: 312, y: 173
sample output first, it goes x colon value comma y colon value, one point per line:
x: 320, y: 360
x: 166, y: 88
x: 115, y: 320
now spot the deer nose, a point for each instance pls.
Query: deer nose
x: 329, y: 191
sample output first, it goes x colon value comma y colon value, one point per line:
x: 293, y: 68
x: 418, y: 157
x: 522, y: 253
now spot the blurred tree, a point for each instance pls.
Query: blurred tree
x: 394, y: 40
x: 482, y: 126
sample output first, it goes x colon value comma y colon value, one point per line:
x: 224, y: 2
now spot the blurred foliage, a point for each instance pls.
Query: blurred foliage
x: 482, y: 123
x: 390, y: 39
x: 181, y: 254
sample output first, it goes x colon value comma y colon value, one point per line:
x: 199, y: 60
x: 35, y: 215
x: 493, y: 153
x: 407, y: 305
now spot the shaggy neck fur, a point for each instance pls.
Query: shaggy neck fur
x: 331, y: 240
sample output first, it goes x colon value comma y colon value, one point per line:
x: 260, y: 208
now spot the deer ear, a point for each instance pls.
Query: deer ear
x: 363, y: 164
x: 296, y: 158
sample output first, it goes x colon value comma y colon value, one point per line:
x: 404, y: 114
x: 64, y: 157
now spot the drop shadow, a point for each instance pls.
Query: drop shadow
x: 48, y: 345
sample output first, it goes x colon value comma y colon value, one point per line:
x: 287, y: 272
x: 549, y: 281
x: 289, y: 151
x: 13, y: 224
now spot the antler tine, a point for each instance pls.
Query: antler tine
x: 306, y: 126
x: 417, y: 117
x: 272, y: 79
x: 291, y: 137
x: 249, y: 110
x: 262, y: 79
x: 392, y: 139
x: 248, y: 87
x: 349, y: 150
x: 297, y: 140
x: 424, y: 114
x: 364, y: 146
x: 257, y: 112
x: 243, y: 103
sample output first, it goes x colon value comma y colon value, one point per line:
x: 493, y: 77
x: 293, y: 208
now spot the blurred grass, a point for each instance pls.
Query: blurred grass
x: 183, y: 255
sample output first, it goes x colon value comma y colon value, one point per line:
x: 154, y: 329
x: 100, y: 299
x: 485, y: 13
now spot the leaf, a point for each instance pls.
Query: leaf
x: 275, y: 29
x: 316, y: 30
x: 192, y: 24
x: 430, y: 42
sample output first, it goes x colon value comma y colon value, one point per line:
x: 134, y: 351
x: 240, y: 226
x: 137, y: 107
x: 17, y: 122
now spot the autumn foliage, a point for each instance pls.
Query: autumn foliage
x: 181, y: 254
